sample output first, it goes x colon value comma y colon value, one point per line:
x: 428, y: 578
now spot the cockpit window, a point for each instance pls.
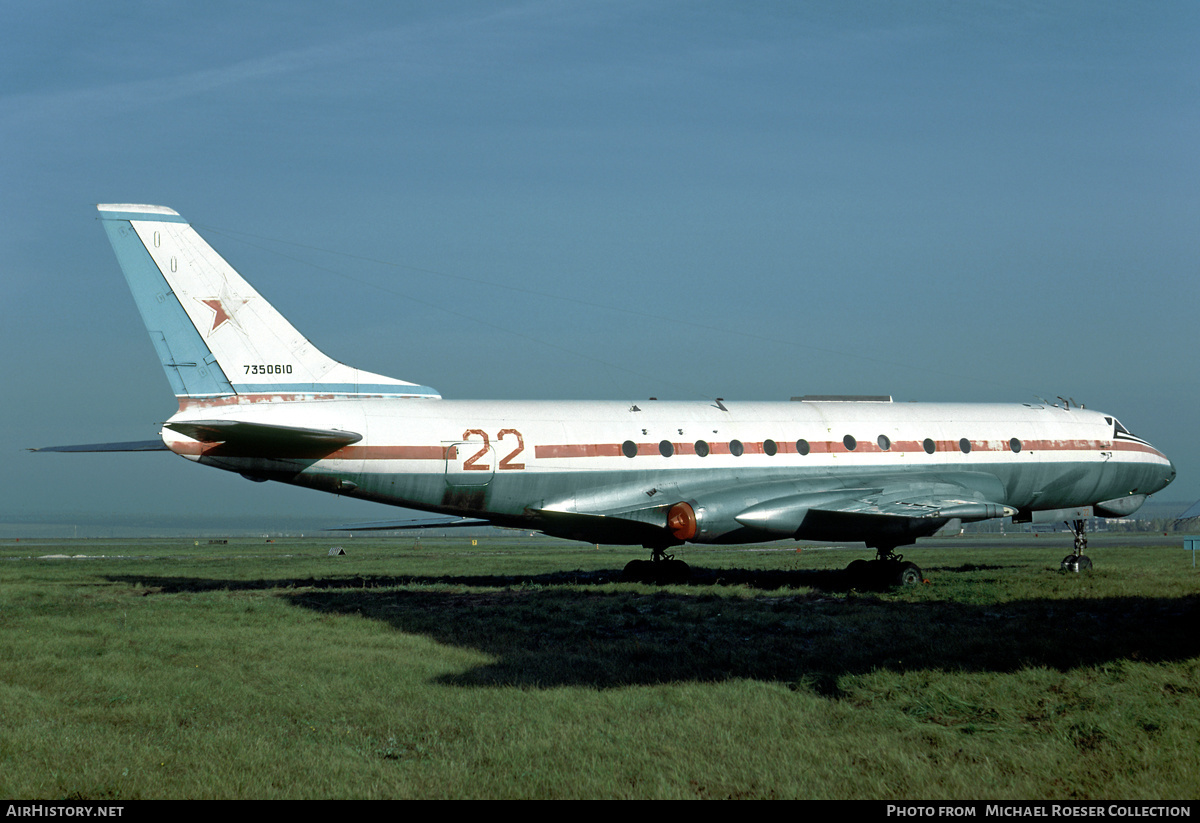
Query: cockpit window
x: 1121, y: 429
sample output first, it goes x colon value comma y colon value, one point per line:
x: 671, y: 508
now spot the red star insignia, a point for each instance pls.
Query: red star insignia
x: 221, y: 314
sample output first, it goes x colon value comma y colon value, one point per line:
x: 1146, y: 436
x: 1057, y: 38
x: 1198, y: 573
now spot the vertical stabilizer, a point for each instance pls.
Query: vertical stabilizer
x: 215, y: 335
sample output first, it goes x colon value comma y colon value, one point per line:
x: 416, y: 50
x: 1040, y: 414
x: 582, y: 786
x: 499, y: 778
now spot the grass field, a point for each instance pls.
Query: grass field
x: 438, y: 669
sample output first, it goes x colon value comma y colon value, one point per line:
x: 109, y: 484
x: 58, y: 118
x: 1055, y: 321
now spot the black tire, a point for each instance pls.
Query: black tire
x: 667, y: 572
x: 909, y: 574
x: 658, y: 572
x: 878, y: 575
x: 635, y: 571
x: 856, y: 572
x: 1071, y: 563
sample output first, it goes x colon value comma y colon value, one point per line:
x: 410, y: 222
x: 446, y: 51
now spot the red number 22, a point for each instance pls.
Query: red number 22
x: 472, y: 464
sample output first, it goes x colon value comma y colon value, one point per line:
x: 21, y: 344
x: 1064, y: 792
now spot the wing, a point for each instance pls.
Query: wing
x: 1193, y: 511
x: 129, y: 446
x: 888, y: 517
x: 873, y: 508
x: 891, y: 511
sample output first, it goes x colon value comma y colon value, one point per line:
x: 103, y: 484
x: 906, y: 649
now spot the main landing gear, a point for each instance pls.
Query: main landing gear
x: 1077, y: 561
x: 886, y: 570
x: 661, y: 569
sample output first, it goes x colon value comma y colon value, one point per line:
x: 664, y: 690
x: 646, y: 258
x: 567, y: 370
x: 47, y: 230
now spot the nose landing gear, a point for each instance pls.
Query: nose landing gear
x: 1077, y: 561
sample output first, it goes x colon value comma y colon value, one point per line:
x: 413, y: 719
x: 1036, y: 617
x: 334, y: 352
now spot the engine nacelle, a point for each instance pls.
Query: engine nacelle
x: 707, y: 522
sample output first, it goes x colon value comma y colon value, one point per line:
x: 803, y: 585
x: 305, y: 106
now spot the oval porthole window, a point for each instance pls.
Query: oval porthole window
x: 964, y: 446
x: 629, y: 448
x: 884, y: 442
x: 666, y: 448
x: 1015, y: 445
x: 701, y: 448
x: 929, y: 446
x: 770, y: 448
x: 736, y: 448
x: 802, y: 446
x: 850, y: 443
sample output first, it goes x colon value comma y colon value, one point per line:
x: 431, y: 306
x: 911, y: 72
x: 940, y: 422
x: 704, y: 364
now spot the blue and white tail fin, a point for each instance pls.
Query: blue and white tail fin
x: 215, y: 335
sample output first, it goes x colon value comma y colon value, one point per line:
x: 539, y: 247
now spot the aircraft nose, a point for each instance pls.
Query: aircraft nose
x: 1166, y: 475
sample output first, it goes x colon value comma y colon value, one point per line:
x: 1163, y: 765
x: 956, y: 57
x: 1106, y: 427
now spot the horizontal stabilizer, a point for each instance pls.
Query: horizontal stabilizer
x: 262, y: 437
x: 130, y: 446
x: 388, y: 525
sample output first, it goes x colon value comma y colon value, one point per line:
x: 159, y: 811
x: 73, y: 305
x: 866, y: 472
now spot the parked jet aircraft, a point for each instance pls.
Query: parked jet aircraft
x: 257, y: 398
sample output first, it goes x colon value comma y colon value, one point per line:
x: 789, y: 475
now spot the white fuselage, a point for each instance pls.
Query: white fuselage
x: 514, y: 460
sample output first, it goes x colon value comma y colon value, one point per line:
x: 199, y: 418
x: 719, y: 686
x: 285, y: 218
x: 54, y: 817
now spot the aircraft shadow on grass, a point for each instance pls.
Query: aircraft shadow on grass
x: 541, y: 634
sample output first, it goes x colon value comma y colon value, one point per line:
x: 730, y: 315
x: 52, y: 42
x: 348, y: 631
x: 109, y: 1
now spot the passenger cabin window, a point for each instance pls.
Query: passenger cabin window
x: 736, y: 448
x: 929, y: 446
x: 701, y: 448
x: 802, y: 447
x: 849, y: 442
x: 770, y: 448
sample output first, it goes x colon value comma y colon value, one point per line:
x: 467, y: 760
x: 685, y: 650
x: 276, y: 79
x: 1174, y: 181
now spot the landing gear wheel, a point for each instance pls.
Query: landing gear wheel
x: 1076, y: 563
x: 857, y: 572
x: 882, y: 573
x: 909, y: 574
x: 671, y: 571
x: 662, y: 572
x: 635, y: 571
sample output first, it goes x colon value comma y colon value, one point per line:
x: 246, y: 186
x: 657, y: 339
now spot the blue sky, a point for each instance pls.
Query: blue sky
x: 938, y: 201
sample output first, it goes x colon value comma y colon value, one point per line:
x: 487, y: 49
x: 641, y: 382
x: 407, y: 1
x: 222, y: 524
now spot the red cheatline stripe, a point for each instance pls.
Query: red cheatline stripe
x: 579, y: 450
x: 582, y: 450
x: 1129, y: 446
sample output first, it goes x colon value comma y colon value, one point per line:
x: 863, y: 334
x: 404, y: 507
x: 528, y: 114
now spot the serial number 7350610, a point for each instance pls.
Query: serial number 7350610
x: 268, y: 369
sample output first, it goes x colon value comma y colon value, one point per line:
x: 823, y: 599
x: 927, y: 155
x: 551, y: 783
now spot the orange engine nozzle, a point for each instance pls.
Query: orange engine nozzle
x: 681, y: 520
